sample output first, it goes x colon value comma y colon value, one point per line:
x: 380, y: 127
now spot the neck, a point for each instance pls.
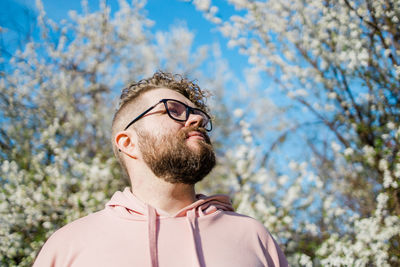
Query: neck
x: 163, y: 195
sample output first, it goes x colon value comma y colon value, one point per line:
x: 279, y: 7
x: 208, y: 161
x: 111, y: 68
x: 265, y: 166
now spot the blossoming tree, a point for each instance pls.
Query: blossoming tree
x: 57, y: 96
x: 338, y: 62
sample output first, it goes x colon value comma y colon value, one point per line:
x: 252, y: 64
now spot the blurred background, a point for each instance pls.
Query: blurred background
x: 305, y: 102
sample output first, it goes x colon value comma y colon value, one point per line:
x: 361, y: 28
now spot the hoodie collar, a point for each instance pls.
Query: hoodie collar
x: 128, y: 204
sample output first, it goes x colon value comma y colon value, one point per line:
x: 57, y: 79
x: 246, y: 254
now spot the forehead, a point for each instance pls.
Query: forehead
x: 153, y: 96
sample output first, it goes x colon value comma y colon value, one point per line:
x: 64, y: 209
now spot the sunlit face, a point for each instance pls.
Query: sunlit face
x: 178, y: 152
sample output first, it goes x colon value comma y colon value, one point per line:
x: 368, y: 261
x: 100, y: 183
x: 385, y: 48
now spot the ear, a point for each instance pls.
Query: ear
x: 127, y: 143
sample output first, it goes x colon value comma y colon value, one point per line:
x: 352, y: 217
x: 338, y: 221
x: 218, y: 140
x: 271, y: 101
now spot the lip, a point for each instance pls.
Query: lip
x: 195, y: 135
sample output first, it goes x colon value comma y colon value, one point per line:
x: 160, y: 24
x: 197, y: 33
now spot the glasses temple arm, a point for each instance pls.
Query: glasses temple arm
x: 140, y: 116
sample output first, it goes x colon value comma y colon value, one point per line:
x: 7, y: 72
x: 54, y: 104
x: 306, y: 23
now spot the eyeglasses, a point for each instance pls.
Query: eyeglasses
x: 178, y: 111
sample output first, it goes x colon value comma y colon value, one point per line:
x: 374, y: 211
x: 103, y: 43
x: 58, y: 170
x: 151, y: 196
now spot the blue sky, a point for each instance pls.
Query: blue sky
x: 164, y: 13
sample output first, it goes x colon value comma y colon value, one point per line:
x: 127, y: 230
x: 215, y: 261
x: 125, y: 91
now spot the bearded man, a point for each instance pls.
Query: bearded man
x: 159, y: 136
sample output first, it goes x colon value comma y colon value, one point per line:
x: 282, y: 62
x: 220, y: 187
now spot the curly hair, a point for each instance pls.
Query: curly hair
x: 160, y: 79
x: 131, y: 94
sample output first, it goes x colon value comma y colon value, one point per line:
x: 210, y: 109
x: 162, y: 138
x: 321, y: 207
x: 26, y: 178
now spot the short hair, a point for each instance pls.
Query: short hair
x: 131, y: 95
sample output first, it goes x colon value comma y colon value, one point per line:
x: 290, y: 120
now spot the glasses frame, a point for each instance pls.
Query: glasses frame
x: 189, y: 110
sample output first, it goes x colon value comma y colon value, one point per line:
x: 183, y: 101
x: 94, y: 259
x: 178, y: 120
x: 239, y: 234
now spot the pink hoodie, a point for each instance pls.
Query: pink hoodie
x: 130, y: 233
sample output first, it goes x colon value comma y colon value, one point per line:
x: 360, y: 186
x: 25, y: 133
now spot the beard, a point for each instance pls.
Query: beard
x: 170, y: 158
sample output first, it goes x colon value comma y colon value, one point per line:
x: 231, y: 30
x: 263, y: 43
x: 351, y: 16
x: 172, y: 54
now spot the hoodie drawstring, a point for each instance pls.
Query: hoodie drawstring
x: 190, y: 219
x: 126, y: 205
x: 152, y: 234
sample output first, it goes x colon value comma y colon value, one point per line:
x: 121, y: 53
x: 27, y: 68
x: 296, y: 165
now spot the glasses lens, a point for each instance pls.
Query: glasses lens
x: 176, y: 110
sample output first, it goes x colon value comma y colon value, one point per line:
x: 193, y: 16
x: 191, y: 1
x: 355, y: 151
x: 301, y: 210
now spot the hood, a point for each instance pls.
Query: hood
x: 128, y: 206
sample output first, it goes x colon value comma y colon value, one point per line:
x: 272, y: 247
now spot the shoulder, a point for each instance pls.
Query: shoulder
x: 69, y: 239
x: 80, y: 226
x: 244, y: 221
x: 254, y: 235
x: 242, y: 227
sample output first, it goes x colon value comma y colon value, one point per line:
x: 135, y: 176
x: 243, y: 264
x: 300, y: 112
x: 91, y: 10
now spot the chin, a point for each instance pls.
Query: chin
x: 194, y: 143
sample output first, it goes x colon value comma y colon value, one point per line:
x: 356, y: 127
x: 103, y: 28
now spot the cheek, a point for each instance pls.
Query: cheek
x: 161, y: 126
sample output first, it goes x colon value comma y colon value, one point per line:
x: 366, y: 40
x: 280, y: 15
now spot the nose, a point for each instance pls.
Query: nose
x: 194, y: 120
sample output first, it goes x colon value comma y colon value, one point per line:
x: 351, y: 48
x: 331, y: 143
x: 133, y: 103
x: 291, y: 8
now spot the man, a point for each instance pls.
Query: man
x: 159, y: 135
